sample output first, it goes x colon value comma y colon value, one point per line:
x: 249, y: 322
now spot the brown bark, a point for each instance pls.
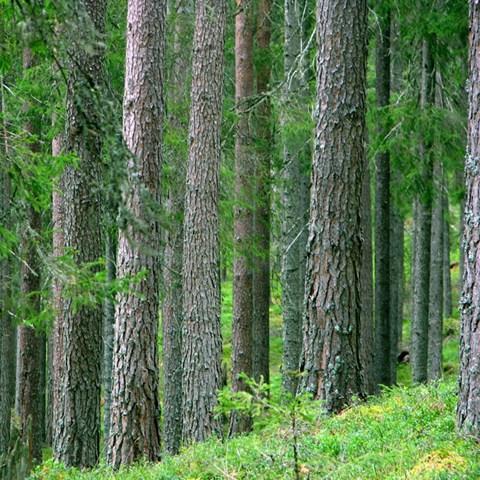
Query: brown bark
x: 261, y: 273
x: 468, y: 407
x: 77, y: 432
x: 135, y: 410
x: 332, y: 326
x: 243, y: 214
x: 202, y: 337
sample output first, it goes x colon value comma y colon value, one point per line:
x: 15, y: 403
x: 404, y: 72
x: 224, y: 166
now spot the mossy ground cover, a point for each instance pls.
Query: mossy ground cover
x: 406, y: 433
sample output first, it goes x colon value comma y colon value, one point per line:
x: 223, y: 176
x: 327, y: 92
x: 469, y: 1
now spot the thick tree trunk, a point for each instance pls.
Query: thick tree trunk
x: 135, y: 409
x: 332, y: 327
x: 243, y: 213
x: 172, y: 308
x: 468, y: 408
x: 202, y: 336
x: 292, y: 224
x: 78, y: 428
x: 435, y: 308
x: 382, y: 205
x: 419, y: 350
x: 261, y: 273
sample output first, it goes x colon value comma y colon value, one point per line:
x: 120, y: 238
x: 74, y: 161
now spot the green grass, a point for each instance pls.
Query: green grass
x: 407, y: 433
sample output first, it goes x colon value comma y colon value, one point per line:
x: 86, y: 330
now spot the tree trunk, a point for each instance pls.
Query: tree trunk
x: 382, y: 205
x: 202, y: 336
x: 243, y: 213
x: 435, y: 308
x: 447, y: 278
x: 261, y: 274
x: 78, y: 429
x: 135, y: 410
x: 332, y: 327
x: 172, y: 308
x: 468, y: 407
x: 8, y: 330
x: 419, y: 353
x: 292, y: 224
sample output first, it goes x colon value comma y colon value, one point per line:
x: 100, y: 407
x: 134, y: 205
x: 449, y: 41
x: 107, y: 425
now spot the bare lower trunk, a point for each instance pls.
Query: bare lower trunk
x: 447, y: 277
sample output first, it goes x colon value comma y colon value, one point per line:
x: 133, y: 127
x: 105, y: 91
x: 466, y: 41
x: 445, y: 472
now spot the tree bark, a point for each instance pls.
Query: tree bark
x: 435, y: 308
x: 261, y: 274
x: 78, y: 429
x: 419, y: 353
x: 243, y: 213
x: 135, y: 409
x: 332, y: 326
x: 447, y: 278
x: 202, y: 337
x: 172, y: 308
x: 468, y: 407
x: 383, y: 355
x: 292, y: 224
x: 8, y: 332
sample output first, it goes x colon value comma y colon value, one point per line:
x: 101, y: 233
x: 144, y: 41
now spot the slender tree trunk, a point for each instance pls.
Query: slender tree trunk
x: 172, y: 308
x: 435, y: 308
x: 468, y: 407
x: 292, y: 222
x: 332, y: 328
x: 422, y: 220
x: 202, y: 336
x: 8, y: 330
x: 261, y: 274
x: 78, y: 428
x: 382, y: 205
x: 135, y: 410
x: 366, y: 345
x: 243, y: 213
x: 447, y: 278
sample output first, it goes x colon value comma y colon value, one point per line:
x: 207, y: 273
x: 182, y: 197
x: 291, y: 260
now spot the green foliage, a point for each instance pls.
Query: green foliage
x: 406, y: 433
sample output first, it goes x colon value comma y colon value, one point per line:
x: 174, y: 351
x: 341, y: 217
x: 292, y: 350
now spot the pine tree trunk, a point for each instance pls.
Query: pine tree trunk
x: 332, y: 330
x: 243, y: 213
x: 202, y: 336
x: 261, y: 274
x: 78, y: 429
x: 135, y: 409
x: 8, y: 330
x: 447, y: 278
x: 382, y: 206
x: 468, y: 407
x: 172, y: 308
x: 292, y: 224
x: 419, y: 353
x: 435, y: 308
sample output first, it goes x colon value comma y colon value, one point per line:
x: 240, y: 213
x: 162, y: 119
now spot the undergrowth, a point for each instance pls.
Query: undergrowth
x: 408, y: 432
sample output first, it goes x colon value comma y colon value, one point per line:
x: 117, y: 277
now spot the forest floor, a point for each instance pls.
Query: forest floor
x: 406, y: 433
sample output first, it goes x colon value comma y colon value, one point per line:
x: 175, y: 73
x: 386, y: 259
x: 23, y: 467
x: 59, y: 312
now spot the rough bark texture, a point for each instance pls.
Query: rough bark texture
x: 57, y: 300
x: 382, y: 205
x: 202, y: 336
x: 435, y: 308
x: 243, y: 213
x: 172, y: 308
x: 468, y: 407
x: 8, y: 330
x: 78, y: 429
x: 135, y: 409
x: 332, y: 325
x: 261, y: 273
x: 292, y: 224
x: 423, y: 215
